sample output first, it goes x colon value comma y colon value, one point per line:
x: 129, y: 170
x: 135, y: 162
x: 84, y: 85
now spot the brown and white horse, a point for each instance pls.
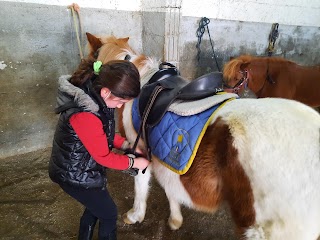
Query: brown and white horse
x: 274, y: 77
x: 260, y: 156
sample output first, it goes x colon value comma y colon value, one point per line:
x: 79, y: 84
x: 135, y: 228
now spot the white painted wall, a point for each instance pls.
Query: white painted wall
x: 128, y: 5
x: 288, y: 12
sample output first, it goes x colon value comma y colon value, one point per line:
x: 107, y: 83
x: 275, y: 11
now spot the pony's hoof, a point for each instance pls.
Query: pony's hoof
x: 174, y: 224
x: 131, y: 217
x: 126, y: 219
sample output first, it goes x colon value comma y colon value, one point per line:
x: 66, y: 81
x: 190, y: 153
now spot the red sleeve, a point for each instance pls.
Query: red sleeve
x: 118, y: 141
x: 89, y: 129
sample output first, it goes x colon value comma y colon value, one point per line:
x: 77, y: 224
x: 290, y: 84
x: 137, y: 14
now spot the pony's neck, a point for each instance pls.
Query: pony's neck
x: 146, y: 66
x: 148, y: 74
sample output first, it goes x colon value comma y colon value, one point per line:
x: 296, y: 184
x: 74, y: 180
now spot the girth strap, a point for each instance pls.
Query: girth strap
x: 143, y: 130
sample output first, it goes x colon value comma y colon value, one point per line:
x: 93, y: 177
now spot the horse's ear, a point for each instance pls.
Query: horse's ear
x: 125, y: 40
x: 94, y: 42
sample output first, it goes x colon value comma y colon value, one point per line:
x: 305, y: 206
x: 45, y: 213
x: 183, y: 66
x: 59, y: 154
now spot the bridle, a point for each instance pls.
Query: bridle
x: 242, y: 82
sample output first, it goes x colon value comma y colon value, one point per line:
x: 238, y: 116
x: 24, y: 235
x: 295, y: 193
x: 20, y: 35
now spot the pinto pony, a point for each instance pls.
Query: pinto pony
x: 259, y: 156
x: 273, y: 77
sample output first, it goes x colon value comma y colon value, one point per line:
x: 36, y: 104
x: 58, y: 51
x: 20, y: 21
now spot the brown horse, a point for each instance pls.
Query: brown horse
x: 267, y: 174
x: 273, y: 77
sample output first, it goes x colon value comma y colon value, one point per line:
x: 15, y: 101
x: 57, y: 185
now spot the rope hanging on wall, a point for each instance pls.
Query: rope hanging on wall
x: 204, y: 22
x: 76, y: 9
x: 274, y: 34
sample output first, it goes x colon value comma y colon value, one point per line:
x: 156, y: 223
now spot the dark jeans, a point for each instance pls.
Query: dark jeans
x: 99, y: 204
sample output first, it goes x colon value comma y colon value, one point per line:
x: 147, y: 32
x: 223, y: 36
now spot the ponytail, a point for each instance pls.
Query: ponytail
x: 83, y: 73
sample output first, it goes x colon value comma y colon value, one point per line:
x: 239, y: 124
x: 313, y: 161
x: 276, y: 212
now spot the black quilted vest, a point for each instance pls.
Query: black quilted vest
x: 70, y: 162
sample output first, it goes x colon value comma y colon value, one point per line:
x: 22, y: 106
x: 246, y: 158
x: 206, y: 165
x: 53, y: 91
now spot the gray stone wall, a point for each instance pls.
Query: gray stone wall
x: 232, y: 38
x: 38, y: 44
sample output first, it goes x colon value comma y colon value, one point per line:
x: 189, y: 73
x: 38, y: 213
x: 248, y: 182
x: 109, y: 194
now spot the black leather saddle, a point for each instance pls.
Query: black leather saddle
x: 167, y: 85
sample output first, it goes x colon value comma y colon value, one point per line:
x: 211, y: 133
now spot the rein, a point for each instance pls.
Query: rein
x: 243, y: 81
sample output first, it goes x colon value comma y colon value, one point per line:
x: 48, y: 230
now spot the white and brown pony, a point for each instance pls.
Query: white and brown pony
x: 259, y: 156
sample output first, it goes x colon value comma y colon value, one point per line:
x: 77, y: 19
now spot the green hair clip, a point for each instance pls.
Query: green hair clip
x: 96, y: 67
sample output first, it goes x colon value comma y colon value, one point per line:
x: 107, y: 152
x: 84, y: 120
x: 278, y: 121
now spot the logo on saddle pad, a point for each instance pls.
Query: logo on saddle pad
x: 175, y: 139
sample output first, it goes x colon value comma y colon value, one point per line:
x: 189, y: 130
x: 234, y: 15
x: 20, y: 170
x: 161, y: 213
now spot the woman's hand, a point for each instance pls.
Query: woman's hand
x: 138, y: 150
x: 140, y: 163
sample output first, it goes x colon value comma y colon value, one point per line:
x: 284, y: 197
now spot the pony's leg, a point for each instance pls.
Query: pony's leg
x: 254, y: 232
x: 175, y: 219
x: 175, y: 193
x: 141, y: 186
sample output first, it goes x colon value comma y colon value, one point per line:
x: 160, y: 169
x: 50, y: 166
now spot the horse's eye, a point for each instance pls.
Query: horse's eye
x: 127, y: 57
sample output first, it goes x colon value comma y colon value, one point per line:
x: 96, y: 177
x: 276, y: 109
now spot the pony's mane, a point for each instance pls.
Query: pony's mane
x: 118, y: 48
x: 232, y: 67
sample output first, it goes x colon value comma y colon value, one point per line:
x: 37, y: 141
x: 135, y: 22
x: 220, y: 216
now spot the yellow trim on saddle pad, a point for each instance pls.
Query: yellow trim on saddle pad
x: 197, y: 144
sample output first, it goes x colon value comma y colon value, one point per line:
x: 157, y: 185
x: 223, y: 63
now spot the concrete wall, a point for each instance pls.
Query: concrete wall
x: 38, y: 44
x: 233, y: 38
x: 286, y: 12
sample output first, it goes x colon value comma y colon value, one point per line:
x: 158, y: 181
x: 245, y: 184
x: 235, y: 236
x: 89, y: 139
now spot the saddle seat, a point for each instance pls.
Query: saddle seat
x: 167, y: 86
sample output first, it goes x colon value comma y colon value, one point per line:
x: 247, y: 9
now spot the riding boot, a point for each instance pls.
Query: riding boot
x: 86, y: 231
x: 111, y: 236
x: 87, y: 224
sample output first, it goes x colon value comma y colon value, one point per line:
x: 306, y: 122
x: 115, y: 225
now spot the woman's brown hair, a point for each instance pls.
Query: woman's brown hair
x: 121, y: 77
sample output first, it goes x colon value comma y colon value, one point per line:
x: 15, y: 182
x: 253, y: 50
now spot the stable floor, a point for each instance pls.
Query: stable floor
x: 32, y: 207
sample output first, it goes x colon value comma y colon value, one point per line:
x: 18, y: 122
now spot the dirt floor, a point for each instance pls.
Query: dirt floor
x: 32, y: 207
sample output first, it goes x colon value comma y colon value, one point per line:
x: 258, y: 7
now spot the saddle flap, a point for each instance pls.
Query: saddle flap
x: 170, y: 90
x: 202, y: 87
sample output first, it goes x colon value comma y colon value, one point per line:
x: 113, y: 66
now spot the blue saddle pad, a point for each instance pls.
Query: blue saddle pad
x: 175, y: 139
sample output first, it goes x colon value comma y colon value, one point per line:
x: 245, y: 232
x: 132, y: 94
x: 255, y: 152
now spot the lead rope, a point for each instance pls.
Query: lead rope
x: 76, y: 9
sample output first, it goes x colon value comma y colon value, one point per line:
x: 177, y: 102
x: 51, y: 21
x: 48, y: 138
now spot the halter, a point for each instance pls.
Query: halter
x: 243, y: 81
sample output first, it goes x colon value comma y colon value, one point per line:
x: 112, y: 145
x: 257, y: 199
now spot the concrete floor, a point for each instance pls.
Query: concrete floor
x: 32, y: 207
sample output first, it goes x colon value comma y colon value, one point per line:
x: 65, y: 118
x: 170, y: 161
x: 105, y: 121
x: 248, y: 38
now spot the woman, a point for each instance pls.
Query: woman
x: 85, y: 136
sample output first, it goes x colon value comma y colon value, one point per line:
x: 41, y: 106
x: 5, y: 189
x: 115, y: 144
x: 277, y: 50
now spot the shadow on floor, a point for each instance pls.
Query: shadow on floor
x: 32, y: 207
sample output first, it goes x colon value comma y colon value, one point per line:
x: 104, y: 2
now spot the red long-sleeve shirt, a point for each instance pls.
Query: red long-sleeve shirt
x: 89, y: 129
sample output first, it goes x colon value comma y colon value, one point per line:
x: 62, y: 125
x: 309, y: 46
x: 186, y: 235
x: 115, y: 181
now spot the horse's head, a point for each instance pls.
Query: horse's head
x: 247, y: 71
x: 235, y: 75
x: 109, y: 48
